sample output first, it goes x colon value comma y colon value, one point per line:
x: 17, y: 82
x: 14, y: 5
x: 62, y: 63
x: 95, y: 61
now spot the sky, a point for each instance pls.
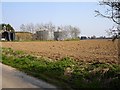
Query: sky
x: 80, y: 14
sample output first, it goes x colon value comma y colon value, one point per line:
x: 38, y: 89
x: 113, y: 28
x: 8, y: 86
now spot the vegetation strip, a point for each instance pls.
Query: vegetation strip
x: 65, y: 73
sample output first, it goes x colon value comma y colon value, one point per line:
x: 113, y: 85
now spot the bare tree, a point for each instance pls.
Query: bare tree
x: 28, y: 28
x: 113, y: 13
x: 32, y: 28
x: 66, y: 31
x: 39, y: 27
x: 47, y: 27
x: 75, y: 31
x: 70, y: 32
x: 51, y: 28
x: 22, y: 27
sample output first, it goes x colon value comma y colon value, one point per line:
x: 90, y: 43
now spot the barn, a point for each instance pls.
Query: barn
x: 7, y: 34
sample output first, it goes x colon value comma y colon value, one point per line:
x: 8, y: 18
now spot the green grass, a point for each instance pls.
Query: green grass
x: 65, y: 73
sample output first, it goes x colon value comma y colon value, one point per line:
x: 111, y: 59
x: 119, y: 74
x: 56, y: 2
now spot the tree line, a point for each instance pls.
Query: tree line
x: 68, y: 31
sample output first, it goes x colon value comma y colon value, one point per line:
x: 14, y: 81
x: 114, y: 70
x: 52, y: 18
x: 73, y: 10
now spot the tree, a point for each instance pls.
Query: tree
x: 47, y: 27
x: 70, y: 32
x: 28, y: 28
x: 75, y: 32
x: 32, y: 28
x: 8, y: 27
x: 39, y: 27
x: 22, y: 27
x: 113, y: 13
x: 67, y: 32
x: 51, y: 28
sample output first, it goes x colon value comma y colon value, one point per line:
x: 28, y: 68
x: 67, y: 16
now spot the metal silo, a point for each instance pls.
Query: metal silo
x: 58, y: 35
x: 42, y: 35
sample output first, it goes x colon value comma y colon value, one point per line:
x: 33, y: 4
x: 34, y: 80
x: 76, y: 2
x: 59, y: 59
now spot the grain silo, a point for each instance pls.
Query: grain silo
x: 58, y: 35
x: 42, y: 35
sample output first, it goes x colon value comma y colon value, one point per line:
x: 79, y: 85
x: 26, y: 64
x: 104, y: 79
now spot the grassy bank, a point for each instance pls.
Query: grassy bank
x: 65, y: 73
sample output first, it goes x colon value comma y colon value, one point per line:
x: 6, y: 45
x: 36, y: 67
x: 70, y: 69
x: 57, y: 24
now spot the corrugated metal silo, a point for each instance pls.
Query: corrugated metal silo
x: 42, y: 35
x: 58, y: 35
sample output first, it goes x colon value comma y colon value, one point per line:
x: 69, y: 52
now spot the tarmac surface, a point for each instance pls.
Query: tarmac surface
x: 12, y: 78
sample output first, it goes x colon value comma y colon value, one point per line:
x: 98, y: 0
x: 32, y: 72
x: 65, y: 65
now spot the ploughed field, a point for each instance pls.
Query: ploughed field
x: 83, y: 50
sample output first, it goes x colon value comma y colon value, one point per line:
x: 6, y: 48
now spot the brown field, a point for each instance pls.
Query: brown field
x: 85, y: 50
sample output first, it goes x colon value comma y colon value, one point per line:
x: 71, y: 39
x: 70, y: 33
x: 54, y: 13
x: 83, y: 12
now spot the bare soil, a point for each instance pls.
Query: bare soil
x: 84, y: 50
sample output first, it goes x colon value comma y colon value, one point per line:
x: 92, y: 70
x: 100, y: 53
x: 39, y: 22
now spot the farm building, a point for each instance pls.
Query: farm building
x: 83, y: 37
x: 7, y: 34
x: 42, y: 35
x: 58, y: 35
x: 23, y: 36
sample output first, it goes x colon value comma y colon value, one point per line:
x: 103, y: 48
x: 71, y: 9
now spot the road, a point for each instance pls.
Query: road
x: 12, y: 78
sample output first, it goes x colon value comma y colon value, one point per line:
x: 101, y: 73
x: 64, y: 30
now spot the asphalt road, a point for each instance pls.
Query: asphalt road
x: 12, y: 78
